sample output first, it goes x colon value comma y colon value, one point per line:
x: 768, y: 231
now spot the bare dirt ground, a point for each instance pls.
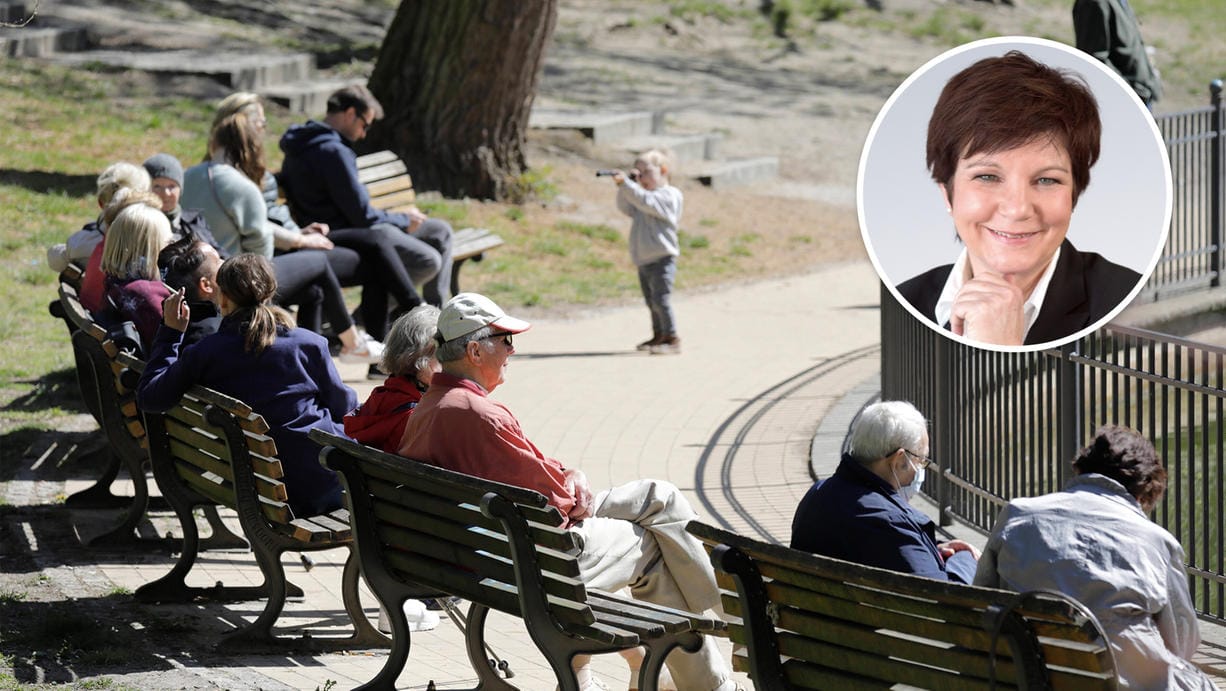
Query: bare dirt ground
x: 809, y: 102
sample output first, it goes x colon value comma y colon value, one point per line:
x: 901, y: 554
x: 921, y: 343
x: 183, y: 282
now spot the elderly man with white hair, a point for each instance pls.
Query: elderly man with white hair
x: 632, y: 535
x: 863, y: 513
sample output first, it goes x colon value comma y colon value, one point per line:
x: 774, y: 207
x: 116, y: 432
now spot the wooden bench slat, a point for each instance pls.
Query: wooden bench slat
x: 489, y: 556
x: 379, y: 189
x: 382, y: 171
x: 395, y: 200
x: 375, y: 158
x: 822, y: 622
x: 946, y: 650
x: 418, y: 499
x: 318, y: 529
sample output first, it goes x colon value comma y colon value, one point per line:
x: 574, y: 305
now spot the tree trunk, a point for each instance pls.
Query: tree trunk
x: 456, y: 79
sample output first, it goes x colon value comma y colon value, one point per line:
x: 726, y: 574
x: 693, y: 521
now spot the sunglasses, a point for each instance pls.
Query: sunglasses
x: 507, y: 338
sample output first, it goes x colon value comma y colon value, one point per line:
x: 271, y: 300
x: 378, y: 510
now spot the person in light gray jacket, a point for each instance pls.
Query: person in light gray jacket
x: 1093, y: 542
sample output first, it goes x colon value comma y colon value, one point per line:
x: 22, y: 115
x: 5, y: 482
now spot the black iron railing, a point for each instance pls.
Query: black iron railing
x: 1007, y: 425
x: 1195, y: 144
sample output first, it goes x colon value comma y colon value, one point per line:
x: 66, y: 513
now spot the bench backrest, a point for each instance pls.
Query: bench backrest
x: 824, y: 623
x: 109, y: 395
x: 420, y: 524
x: 387, y: 181
x: 208, y: 437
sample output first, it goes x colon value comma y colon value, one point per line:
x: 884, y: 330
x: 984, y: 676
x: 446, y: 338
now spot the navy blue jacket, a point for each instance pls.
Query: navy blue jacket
x: 858, y: 517
x: 320, y: 179
x: 293, y: 384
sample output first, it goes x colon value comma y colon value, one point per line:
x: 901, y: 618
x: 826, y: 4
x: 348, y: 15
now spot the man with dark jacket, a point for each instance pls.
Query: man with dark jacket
x: 320, y: 179
x: 863, y: 513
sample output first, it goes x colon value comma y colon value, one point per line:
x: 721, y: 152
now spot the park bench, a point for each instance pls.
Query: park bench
x: 421, y: 530
x: 107, y: 376
x: 211, y: 449
x: 812, y: 622
x: 390, y: 187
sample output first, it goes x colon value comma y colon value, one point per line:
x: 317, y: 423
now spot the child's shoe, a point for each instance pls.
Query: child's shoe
x: 669, y: 345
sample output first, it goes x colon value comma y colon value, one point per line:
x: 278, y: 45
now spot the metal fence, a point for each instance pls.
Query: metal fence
x: 1007, y: 425
x: 1195, y: 144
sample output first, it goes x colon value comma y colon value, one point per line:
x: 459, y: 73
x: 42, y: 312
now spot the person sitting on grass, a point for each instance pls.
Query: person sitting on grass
x: 259, y: 357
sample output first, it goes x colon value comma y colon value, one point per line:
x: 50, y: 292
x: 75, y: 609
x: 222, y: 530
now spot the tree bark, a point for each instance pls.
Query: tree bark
x: 456, y: 79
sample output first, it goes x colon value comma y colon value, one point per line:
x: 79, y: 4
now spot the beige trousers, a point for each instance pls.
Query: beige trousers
x: 636, y: 538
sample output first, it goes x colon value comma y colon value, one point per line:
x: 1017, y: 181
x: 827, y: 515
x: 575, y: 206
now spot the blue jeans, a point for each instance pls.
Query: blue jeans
x: 656, y: 280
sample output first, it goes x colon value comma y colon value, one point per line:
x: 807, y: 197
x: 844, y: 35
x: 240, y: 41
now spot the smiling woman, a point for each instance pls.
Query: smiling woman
x: 1010, y: 145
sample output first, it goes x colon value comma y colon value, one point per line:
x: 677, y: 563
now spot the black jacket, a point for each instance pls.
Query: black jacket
x: 1085, y: 288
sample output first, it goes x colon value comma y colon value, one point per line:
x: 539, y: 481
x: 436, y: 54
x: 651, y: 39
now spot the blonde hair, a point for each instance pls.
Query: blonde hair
x: 133, y: 242
x: 660, y: 158
x: 118, y: 176
x: 124, y: 198
x: 236, y: 102
x: 248, y: 281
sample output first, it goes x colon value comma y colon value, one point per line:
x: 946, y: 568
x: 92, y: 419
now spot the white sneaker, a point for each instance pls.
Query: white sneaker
x: 419, y: 618
x: 368, y: 351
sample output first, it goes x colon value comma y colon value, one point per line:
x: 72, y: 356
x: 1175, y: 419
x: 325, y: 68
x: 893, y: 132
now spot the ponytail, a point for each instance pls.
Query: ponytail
x: 247, y: 280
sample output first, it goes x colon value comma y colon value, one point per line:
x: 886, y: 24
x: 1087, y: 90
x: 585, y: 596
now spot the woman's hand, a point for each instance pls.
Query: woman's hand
x: 316, y: 227
x: 314, y: 241
x: 989, y: 309
x: 175, y: 312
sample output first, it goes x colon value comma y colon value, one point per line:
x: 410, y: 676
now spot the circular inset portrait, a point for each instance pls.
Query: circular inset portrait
x: 1014, y: 194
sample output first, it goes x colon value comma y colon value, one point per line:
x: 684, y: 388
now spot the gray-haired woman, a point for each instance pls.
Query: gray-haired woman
x: 408, y: 360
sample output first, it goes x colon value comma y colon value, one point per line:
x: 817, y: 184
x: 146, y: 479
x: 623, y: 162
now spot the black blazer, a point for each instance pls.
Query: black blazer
x: 1084, y: 288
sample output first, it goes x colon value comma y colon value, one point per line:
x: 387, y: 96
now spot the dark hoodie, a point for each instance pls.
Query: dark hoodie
x: 320, y: 180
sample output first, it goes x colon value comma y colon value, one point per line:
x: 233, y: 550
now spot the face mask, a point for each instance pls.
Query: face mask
x: 912, y: 489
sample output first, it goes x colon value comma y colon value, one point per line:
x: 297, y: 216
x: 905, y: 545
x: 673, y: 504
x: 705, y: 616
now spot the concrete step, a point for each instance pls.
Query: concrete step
x: 309, y: 97
x: 685, y: 147
x: 734, y: 172
x: 601, y: 128
x: 40, y: 42
x: 243, y: 72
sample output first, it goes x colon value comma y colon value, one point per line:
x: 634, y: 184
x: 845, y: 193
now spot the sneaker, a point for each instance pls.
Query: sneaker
x: 419, y: 618
x: 368, y: 351
x: 670, y: 345
x: 646, y: 345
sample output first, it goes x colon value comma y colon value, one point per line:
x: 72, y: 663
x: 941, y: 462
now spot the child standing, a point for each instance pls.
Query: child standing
x: 654, y: 207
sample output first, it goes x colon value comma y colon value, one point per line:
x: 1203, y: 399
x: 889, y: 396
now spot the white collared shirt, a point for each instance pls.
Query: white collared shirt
x: 961, y: 273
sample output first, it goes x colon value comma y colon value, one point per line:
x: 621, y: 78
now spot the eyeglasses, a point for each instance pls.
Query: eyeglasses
x: 507, y: 338
x: 365, y: 123
x: 924, y: 461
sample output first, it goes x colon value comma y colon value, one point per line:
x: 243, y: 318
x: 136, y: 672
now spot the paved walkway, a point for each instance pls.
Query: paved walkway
x: 768, y: 370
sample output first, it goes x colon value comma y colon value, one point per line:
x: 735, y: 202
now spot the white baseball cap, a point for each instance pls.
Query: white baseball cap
x: 467, y: 312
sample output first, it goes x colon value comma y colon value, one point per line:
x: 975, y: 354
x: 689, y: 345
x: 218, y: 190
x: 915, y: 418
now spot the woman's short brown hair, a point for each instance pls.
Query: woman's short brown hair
x: 1009, y: 101
x: 1125, y: 456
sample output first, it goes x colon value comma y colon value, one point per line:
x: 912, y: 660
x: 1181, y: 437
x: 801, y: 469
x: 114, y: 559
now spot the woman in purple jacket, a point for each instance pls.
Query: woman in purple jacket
x: 258, y: 356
